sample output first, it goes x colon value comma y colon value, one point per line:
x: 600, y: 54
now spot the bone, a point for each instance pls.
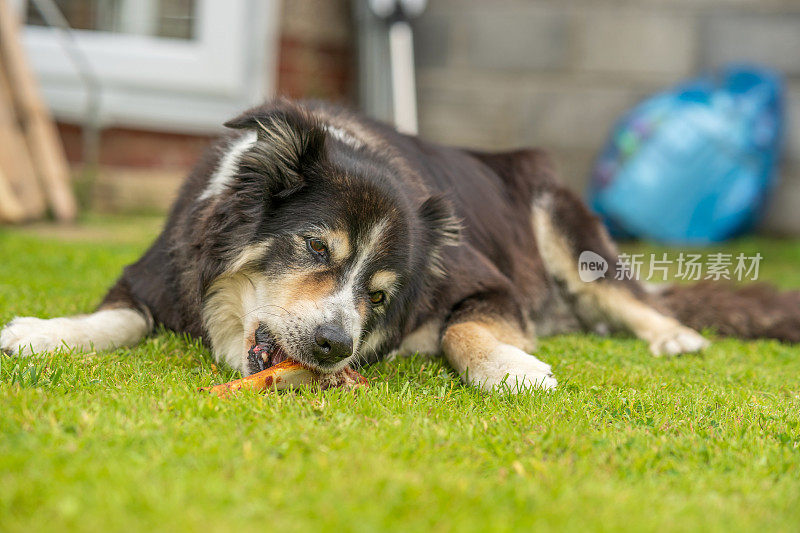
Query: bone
x: 289, y: 375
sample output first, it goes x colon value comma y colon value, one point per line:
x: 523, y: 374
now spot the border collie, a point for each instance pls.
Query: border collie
x: 341, y: 241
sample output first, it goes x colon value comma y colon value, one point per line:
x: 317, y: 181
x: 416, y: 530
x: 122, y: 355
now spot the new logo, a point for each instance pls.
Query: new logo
x: 591, y: 266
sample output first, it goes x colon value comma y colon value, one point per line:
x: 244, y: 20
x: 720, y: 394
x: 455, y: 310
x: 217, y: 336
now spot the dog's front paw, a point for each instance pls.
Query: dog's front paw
x: 678, y: 340
x: 28, y: 335
x: 508, y: 366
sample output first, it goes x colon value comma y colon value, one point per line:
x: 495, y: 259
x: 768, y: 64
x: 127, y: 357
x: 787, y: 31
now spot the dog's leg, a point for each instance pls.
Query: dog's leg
x: 564, y: 228
x: 119, y: 321
x: 489, y: 349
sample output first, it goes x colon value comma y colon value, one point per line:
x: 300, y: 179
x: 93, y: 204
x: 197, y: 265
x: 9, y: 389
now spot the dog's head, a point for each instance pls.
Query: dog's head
x: 313, y: 241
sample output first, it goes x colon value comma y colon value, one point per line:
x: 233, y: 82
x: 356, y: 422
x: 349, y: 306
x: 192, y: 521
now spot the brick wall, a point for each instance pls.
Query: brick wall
x: 557, y: 73
x: 316, y: 57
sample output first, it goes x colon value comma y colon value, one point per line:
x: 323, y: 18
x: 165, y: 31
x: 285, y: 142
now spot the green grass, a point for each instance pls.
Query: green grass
x: 123, y: 440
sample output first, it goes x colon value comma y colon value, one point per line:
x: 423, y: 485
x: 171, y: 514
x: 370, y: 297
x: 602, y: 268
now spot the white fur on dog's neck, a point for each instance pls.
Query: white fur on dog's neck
x: 227, y: 315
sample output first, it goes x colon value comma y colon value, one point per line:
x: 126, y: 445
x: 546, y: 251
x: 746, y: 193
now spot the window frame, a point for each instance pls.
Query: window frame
x: 166, y: 83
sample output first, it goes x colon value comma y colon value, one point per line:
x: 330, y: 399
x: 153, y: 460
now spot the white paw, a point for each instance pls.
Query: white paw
x: 511, y: 367
x: 677, y: 341
x: 29, y: 335
x: 102, y: 330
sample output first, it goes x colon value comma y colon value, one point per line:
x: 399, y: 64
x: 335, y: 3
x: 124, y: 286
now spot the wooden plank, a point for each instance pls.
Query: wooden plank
x: 15, y: 159
x: 45, y: 146
x: 10, y: 208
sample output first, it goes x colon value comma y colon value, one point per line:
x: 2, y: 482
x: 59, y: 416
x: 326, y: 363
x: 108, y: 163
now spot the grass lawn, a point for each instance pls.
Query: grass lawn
x: 123, y: 440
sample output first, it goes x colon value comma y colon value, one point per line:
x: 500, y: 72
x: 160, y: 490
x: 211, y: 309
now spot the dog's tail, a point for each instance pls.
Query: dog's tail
x: 750, y: 311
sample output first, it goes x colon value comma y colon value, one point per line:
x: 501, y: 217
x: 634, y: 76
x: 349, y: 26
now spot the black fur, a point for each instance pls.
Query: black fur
x: 460, y: 233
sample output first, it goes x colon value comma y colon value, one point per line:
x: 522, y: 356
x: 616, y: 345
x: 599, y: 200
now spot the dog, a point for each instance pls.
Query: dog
x: 339, y: 240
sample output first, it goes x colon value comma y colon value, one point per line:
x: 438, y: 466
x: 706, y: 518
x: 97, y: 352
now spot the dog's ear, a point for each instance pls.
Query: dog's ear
x: 440, y: 221
x: 287, y: 143
x: 442, y: 228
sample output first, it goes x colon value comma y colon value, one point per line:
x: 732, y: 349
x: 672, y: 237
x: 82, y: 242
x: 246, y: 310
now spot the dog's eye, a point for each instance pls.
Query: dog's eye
x: 317, y: 247
x: 377, y: 297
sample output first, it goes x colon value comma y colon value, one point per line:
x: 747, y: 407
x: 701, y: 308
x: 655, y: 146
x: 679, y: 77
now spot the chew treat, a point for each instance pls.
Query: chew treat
x: 289, y: 374
x: 347, y: 378
x: 284, y: 375
x: 271, y: 369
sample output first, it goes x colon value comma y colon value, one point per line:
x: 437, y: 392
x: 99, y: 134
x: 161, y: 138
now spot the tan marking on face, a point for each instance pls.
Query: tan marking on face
x: 383, y: 280
x: 304, y: 287
x: 338, y: 244
x: 362, y: 308
x: 249, y: 255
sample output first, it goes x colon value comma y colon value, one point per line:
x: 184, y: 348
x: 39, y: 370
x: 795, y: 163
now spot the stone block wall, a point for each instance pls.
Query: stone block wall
x: 557, y: 73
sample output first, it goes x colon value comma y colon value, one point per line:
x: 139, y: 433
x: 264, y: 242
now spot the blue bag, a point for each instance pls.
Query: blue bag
x: 694, y: 164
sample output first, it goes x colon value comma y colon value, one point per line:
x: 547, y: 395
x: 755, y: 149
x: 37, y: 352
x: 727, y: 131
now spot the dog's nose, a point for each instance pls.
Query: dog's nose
x: 332, y: 344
